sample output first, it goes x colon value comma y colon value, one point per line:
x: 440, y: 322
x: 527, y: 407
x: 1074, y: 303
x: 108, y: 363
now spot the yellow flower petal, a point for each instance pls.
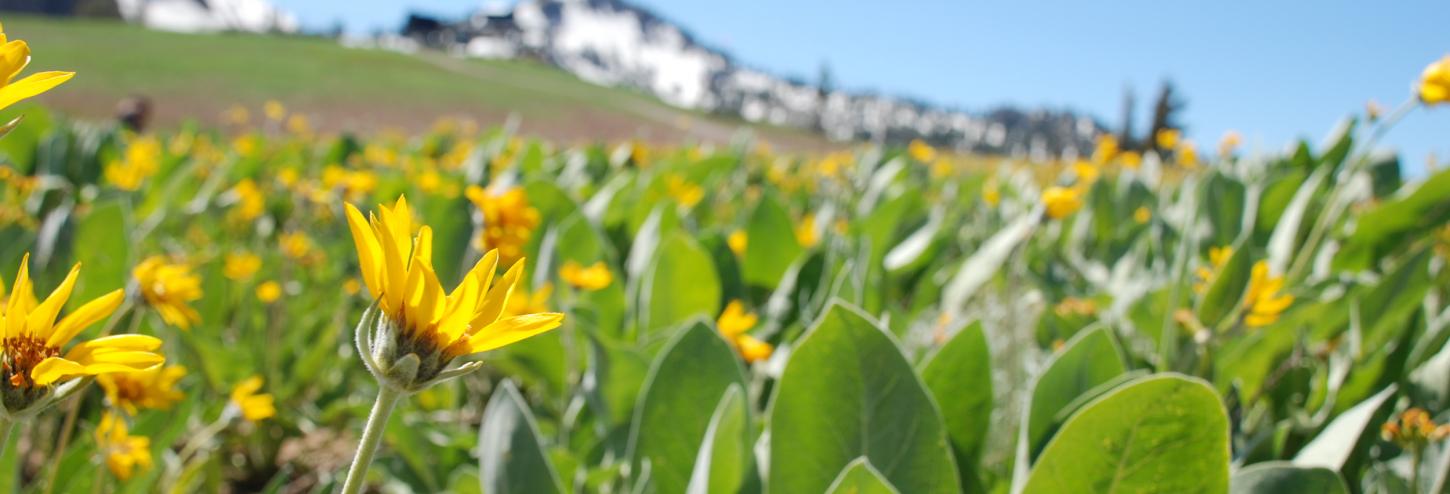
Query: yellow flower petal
x: 42, y: 319
x: 32, y: 85
x: 513, y: 329
x: 88, y: 314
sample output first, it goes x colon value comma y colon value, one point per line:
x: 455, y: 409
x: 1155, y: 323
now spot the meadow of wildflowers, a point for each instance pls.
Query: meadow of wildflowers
x: 268, y: 308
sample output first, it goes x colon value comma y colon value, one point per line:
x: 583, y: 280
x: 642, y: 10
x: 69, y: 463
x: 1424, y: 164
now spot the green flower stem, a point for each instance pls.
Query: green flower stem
x: 372, y: 436
x: 7, y: 428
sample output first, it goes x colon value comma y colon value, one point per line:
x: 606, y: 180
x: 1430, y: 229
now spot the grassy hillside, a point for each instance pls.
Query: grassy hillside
x: 199, y: 76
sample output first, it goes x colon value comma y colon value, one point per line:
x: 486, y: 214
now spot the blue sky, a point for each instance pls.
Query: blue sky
x: 1274, y: 71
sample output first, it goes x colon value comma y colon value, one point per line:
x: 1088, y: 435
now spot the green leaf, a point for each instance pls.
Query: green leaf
x: 1395, y: 223
x: 860, y: 477
x: 916, y: 249
x: 103, y: 268
x: 724, y: 456
x: 847, y: 392
x: 1161, y: 433
x: 985, y: 262
x: 1226, y: 288
x: 681, y: 286
x: 1090, y: 359
x: 679, y: 397
x: 510, y: 448
x: 1281, y: 477
x: 959, y: 376
x: 771, y: 246
x: 1348, y: 436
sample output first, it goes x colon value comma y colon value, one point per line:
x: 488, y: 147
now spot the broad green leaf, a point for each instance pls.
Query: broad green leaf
x: 1395, y: 223
x: 107, y: 268
x: 681, y: 285
x: 1162, y: 433
x: 771, y: 245
x: 859, y: 477
x: 1347, y: 436
x: 916, y: 249
x: 679, y: 397
x: 848, y: 392
x: 510, y: 449
x: 1281, y: 477
x: 1087, y: 361
x: 959, y: 376
x: 724, y: 455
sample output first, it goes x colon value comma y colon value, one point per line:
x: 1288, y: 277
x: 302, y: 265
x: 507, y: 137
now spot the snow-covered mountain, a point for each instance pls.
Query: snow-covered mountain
x: 611, y: 42
x: 258, y: 16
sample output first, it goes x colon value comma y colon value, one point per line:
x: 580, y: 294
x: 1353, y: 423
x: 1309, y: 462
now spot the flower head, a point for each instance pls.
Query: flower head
x: 1142, y: 215
x: 269, y: 291
x: 1217, y: 258
x: 124, y: 453
x: 733, y: 323
x: 35, y: 371
x: 805, y: 231
x: 1167, y: 138
x: 169, y: 288
x: 1434, y: 87
x: 141, y: 160
x: 1414, y: 429
x: 737, y: 241
x: 1106, y: 149
x: 14, y: 56
x: 414, y: 330
x: 254, y: 406
x: 595, y: 277
x: 1262, y: 299
x: 921, y: 151
x: 683, y: 192
x: 153, y: 388
x: 508, y: 220
x: 239, y: 266
x: 1061, y: 201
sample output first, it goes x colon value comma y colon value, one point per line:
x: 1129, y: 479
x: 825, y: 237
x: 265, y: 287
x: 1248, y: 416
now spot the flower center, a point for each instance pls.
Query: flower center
x: 21, y: 354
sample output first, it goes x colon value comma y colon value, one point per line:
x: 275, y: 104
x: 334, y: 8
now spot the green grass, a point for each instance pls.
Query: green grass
x: 199, y: 75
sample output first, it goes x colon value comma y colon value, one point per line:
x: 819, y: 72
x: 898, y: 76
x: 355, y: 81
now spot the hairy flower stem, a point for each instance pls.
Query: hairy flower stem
x: 372, y: 436
x: 7, y: 427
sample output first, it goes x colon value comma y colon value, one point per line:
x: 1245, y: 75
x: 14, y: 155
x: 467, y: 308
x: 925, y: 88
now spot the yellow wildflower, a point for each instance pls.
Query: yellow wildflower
x: 1187, y: 154
x: 274, y: 110
x: 299, y: 125
x: 752, y: 349
x: 124, y: 453
x: 241, y: 266
x: 169, y: 288
x: 508, y: 220
x: 1142, y: 215
x: 1414, y: 429
x: 1061, y: 201
x: 1262, y: 299
x: 1167, y: 138
x: 992, y: 193
x: 1229, y: 143
x: 269, y: 291
x: 238, y: 115
x: 920, y: 151
x: 1106, y: 149
x: 250, y: 202
x: 1131, y: 160
x: 141, y: 160
x: 1086, y: 172
x: 684, y: 192
x: 734, y: 321
x: 296, y: 245
x: 1073, y: 306
x: 153, y: 388
x: 14, y: 56
x: 33, y: 339
x: 737, y: 241
x: 1217, y: 258
x: 352, y: 286
x: 254, y: 406
x: 595, y: 277
x: 1434, y: 82
x: 805, y: 231
x: 421, y: 323
x: 522, y: 302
